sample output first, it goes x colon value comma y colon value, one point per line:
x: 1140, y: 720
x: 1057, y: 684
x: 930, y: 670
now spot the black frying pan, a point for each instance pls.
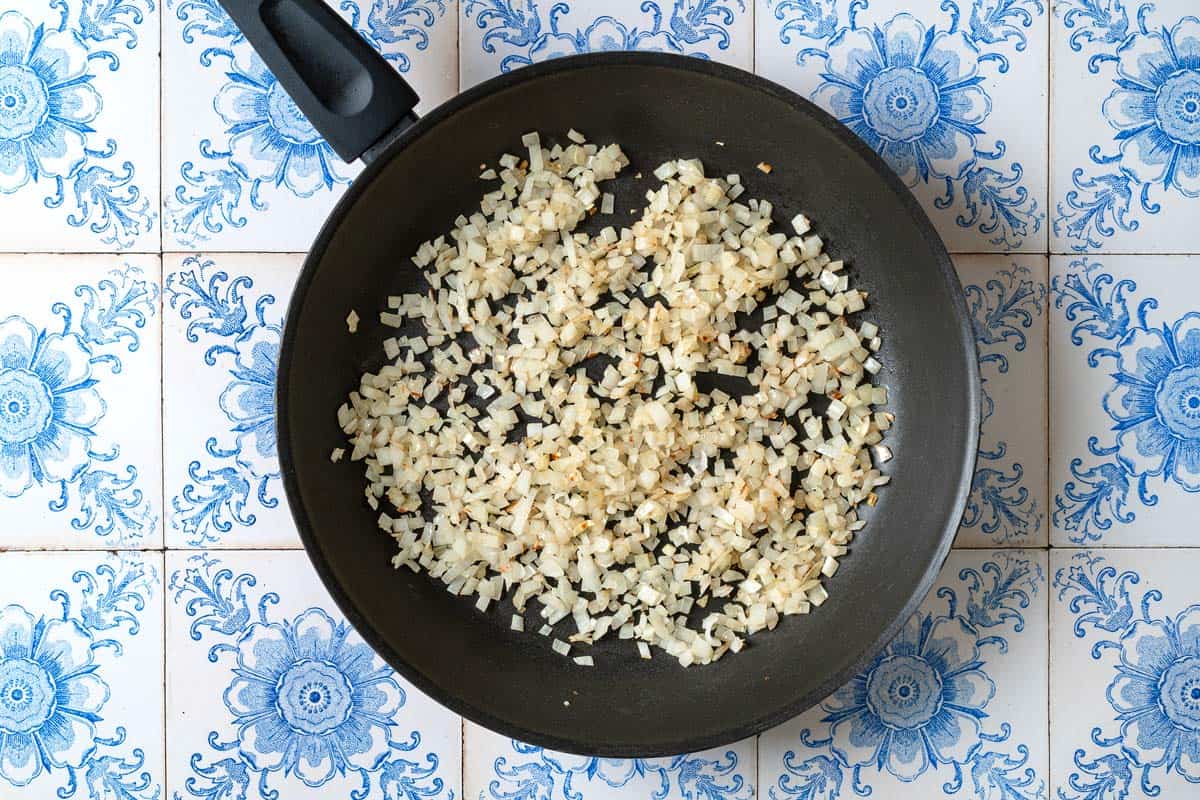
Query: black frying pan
x: 420, y: 175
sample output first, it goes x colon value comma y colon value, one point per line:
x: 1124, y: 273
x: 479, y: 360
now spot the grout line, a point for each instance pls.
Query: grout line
x: 165, y: 608
x: 1049, y: 676
x: 462, y: 756
x: 1049, y: 126
x: 757, y: 792
x: 754, y: 69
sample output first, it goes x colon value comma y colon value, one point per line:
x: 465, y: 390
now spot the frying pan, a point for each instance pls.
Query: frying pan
x: 420, y: 175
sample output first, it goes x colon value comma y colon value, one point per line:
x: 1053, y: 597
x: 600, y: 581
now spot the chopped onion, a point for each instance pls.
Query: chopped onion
x: 623, y: 502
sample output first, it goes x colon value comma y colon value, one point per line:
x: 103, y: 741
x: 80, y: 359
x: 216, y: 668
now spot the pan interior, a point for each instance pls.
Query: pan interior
x: 657, y: 109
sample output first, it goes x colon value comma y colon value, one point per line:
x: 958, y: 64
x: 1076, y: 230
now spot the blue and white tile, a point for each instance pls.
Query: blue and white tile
x: 499, y: 768
x: 1006, y: 296
x: 272, y: 694
x: 242, y: 168
x: 81, y: 676
x: 964, y: 123
x: 955, y: 706
x: 1125, y: 674
x: 79, y: 126
x: 1126, y: 126
x: 502, y: 35
x: 80, y: 465
x: 1125, y: 400
x: 223, y: 317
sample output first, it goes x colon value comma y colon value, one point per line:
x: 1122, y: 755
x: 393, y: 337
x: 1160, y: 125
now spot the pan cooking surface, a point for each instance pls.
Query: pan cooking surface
x: 657, y: 107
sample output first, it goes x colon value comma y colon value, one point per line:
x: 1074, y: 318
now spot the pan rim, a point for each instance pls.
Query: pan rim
x: 683, y: 743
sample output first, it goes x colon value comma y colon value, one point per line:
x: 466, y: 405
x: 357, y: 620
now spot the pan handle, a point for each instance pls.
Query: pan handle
x: 349, y: 93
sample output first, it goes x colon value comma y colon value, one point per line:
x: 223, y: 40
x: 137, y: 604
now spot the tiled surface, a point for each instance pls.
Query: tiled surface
x: 1125, y: 634
x: 221, y: 326
x: 271, y: 686
x: 1125, y: 400
x: 498, y: 768
x: 957, y: 700
x: 81, y: 653
x: 1006, y: 296
x: 1040, y: 670
x: 1126, y: 120
x: 80, y: 413
x: 951, y: 93
x: 79, y: 124
x: 242, y: 168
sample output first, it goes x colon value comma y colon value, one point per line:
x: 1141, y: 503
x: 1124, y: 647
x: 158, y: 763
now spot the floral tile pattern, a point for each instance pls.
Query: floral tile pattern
x: 223, y: 319
x: 242, y: 168
x: 954, y: 706
x: 81, y: 671
x: 79, y: 87
x: 276, y: 696
x: 503, y: 35
x: 80, y: 459
x: 1006, y: 296
x: 950, y: 92
x: 1126, y: 125
x: 136, y: 407
x: 1125, y: 677
x: 498, y: 768
x: 1125, y: 400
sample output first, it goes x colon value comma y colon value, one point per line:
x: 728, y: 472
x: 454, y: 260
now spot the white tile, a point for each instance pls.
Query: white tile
x: 1112, y: 191
x: 237, y: 179
x: 79, y: 401
x: 1125, y: 400
x: 985, y: 185
x: 965, y: 709
x: 501, y: 36
x: 244, y: 628
x: 1006, y: 296
x: 79, y: 126
x: 1124, y: 674
x: 81, y: 676
x: 222, y: 320
x: 499, y: 768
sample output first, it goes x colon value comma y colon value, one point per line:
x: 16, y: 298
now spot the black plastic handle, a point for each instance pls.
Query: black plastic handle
x: 350, y: 94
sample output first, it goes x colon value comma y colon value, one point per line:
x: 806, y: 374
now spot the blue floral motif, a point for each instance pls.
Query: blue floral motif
x: 547, y: 774
x: 1154, y: 110
x: 50, y: 405
x: 216, y: 307
x: 910, y: 92
x: 920, y: 706
x: 390, y: 23
x: 249, y: 400
x: 49, y: 695
x: 1153, y: 402
x: 1156, y: 106
x: 46, y: 102
x: 1000, y: 504
x: 916, y: 93
x: 47, y: 105
x: 268, y: 143
x: 52, y: 692
x: 527, y: 36
x: 309, y: 699
x: 1155, y: 692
